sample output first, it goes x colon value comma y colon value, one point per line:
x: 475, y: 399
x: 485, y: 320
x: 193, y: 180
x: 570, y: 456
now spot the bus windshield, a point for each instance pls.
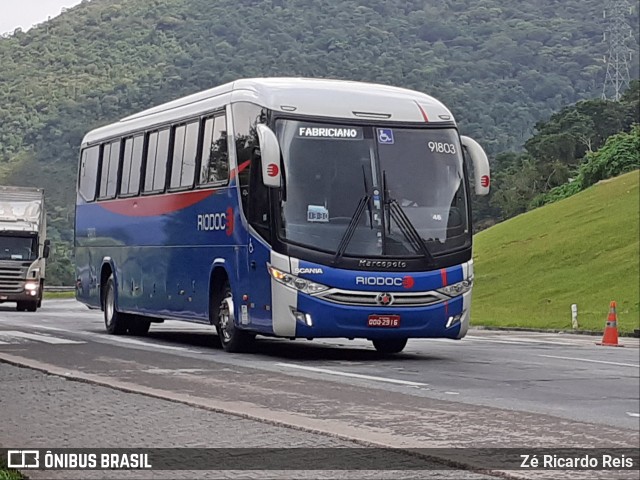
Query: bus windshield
x: 18, y: 248
x: 329, y: 168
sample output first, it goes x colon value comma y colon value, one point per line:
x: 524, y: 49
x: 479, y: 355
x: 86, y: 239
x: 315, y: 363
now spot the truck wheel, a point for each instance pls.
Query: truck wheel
x: 392, y: 345
x: 21, y: 307
x: 114, y: 321
x: 31, y: 306
x: 232, y: 339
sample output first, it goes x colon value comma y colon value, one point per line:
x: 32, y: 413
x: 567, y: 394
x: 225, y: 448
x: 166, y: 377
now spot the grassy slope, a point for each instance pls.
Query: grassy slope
x: 583, y: 250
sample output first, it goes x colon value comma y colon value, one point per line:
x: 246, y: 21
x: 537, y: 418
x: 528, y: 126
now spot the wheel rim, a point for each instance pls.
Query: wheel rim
x: 226, y: 319
x: 108, y: 307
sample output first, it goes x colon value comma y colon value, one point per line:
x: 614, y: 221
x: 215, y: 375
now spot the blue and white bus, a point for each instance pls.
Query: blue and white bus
x: 295, y: 208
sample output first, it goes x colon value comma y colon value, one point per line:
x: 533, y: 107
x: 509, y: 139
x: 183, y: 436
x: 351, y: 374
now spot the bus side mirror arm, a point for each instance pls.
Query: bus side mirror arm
x: 269, y: 156
x: 481, y: 170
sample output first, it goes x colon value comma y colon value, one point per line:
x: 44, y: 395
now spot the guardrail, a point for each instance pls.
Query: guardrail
x: 53, y: 288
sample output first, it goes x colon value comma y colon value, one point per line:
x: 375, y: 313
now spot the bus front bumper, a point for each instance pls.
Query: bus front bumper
x: 318, y: 318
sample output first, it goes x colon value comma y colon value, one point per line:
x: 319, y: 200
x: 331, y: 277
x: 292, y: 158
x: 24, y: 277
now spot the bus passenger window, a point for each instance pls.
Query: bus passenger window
x: 157, y: 154
x: 114, y: 163
x: 185, y: 146
x: 126, y: 166
x: 151, y: 162
x: 104, y: 173
x: 215, y: 158
x: 136, y: 165
x: 109, y: 176
x: 89, y: 173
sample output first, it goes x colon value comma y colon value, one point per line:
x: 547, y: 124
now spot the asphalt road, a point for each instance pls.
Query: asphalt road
x: 491, y: 389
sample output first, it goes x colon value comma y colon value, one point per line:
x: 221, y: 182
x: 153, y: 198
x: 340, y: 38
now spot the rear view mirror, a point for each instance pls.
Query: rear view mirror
x: 46, y: 249
x: 481, y: 170
x: 270, y: 156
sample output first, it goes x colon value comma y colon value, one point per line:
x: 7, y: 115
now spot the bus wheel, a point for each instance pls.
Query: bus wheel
x: 232, y: 339
x: 115, y: 322
x: 393, y: 345
x: 139, y: 326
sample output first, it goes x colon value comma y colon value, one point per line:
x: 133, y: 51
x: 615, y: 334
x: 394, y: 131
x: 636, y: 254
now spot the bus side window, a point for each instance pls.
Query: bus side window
x: 131, y: 164
x: 259, y: 206
x: 126, y: 166
x: 110, y: 164
x: 255, y: 196
x: 215, y: 157
x: 185, y: 147
x: 89, y: 173
x: 136, y: 165
x: 157, y: 154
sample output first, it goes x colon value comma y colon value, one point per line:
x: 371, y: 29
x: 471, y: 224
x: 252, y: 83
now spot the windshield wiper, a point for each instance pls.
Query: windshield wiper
x: 365, y: 201
x: 396, y: 212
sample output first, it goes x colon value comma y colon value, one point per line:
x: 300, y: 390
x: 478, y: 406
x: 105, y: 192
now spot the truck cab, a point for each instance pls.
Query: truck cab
x: 23, y: 246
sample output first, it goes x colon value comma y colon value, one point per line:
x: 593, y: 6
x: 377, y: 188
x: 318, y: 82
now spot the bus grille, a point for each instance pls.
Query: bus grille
x: 400, y: 299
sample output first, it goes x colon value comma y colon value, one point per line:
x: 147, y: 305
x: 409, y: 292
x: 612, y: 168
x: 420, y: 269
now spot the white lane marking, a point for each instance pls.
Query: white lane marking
x: 38, y: 338
x: 4, y: 343
x: 452, y: 393
x: 489, y: 340
x: 131, y: 341
x: 631, y: 414
x: 352, y: 375
x: 592, y: 361
x: 518, y: 340
x: 44, y: 327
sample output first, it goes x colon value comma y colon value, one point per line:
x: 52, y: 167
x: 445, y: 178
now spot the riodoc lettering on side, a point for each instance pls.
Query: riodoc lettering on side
x: 212, y: 222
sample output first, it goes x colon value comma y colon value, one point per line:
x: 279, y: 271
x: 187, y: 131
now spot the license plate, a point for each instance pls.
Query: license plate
x: 384, y: 321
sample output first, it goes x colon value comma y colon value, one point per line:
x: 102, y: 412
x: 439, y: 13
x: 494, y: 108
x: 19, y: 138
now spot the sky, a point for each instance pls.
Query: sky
x: 26, y: 13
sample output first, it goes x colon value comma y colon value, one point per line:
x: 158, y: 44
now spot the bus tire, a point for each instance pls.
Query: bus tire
x: 232, y: 339
x: 139, y: 326
x: 114, y: 321
x: 390, y: 345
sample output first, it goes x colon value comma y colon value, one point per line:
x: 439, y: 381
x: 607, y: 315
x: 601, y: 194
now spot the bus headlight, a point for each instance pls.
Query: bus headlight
x: 457, y: 288
x: 296, y: 283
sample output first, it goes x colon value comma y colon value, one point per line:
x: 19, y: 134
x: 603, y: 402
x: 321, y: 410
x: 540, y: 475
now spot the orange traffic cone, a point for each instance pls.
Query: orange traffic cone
x: 610, y: 337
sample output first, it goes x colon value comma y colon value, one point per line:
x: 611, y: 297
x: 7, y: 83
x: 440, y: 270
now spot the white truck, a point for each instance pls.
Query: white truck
x: 23, y: 246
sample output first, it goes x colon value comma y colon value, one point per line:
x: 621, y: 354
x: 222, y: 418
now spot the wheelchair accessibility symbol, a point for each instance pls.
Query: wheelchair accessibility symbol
x: 385, y: 135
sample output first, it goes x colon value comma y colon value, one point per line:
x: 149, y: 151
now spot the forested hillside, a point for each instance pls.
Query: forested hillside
x: 500, y: 65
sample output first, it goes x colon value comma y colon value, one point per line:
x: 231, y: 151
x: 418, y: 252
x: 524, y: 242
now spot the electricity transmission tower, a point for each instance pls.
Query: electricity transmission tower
x: 617, y: 34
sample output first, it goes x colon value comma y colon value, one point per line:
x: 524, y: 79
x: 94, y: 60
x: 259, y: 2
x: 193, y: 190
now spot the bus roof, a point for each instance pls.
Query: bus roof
x: 335, y: 99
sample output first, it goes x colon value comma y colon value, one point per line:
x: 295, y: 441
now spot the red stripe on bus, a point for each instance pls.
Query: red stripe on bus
x: 424, y: 114
x: 443, y: 275
x: 243, y: 166
x: 155, y: 204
